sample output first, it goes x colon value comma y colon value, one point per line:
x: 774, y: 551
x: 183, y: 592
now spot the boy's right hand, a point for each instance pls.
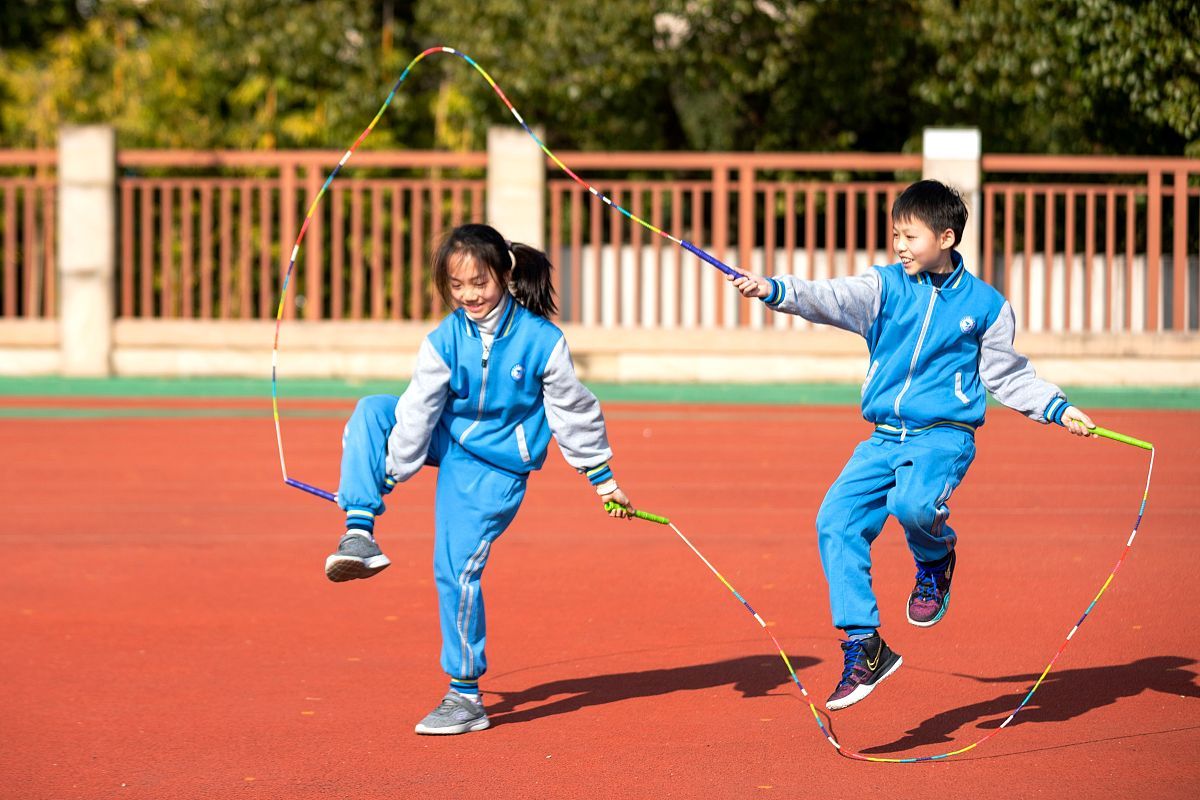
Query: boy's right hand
x: 750, y: 285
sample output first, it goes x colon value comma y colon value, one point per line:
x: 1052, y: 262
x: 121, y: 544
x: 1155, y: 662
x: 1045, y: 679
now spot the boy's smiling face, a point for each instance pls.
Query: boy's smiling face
x: 920, y: 248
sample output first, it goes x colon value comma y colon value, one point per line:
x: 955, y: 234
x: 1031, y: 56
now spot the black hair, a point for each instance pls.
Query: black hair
x: 935, y: 204
x: 524, y: 270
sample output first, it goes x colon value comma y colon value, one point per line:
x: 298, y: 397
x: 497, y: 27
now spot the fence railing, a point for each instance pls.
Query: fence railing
x: 28, y: 285
x: 1094, y: 244
x: 216, y: 246
x: 1077, y: 244
x: 817, y: 215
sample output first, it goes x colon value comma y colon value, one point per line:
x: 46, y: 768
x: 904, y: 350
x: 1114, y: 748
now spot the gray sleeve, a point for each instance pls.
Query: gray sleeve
x: 573, y: 412
x: 417, y: 414
x: 1008, y: 374
x: 851, y: 304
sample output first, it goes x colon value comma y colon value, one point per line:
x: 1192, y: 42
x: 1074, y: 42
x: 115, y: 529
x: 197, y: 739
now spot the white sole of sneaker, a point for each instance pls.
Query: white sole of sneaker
x: 348, y: 568
x: 862, y: 690
x: 466, y: 727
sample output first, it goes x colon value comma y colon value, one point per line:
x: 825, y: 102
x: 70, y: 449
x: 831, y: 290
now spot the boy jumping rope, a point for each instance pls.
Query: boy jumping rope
x: 938, y: 339
x: 491, y: 385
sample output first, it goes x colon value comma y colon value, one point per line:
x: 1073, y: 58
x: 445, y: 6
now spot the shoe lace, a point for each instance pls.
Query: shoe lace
x: 927, y: 585
x: 852, y: 652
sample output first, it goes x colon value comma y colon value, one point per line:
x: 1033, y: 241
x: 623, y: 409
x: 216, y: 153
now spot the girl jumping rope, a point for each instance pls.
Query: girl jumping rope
x: 492, y: 383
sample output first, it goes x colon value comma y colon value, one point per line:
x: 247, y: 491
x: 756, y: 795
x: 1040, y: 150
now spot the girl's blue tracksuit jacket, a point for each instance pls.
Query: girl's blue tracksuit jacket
x: 935, y: 351
x: 484, y: 416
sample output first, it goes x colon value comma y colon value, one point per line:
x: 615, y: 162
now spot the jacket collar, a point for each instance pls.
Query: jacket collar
x: 955, y: 278
x: 507, y: 316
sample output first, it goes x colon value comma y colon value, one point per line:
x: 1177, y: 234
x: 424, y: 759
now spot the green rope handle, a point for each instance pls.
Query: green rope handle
x: 646, y: 515
x: 1120, y: 437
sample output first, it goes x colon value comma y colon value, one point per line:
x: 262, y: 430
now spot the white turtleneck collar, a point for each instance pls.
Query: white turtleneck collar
x: 490, y: 322
x: 487, y: 325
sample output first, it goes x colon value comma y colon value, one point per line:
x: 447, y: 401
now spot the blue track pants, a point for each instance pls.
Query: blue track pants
x: 910, y: 480
x: 474, y: 504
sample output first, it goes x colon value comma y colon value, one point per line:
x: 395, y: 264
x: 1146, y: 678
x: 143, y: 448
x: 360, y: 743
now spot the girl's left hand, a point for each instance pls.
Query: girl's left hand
x: 624, y: 507
x: 1078, y: 422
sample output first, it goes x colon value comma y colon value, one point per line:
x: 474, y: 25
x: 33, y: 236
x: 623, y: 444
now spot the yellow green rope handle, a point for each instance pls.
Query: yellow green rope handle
x: 1120, y: 437
x: 646, y: 515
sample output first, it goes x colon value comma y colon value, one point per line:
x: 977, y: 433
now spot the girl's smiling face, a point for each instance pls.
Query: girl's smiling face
x: 920, y: 249
x: 473, y: 286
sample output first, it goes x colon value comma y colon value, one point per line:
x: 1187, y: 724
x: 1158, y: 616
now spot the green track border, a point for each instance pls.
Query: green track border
x: 147, y: 390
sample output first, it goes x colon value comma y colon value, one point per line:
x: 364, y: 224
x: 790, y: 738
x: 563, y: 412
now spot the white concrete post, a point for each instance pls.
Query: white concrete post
x: 87, y: 224
x: 516, y: 186
x: 952, y: 156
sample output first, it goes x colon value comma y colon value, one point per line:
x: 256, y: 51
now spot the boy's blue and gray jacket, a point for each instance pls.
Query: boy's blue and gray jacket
x: 501, y: 405
x: 934, y: 351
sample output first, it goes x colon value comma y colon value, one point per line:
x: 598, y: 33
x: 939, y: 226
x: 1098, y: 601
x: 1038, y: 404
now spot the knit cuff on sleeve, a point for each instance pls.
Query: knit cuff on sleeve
x: 777, y: 293
x: 1055, y: 410
x: 601, y: 476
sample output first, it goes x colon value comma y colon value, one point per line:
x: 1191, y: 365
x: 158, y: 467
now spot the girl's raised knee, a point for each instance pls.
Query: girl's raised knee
x: 377, y: 405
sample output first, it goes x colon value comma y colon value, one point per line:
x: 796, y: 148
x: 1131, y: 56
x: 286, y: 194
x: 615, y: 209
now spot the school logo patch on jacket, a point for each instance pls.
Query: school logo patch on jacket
x: 517, y: 372
x: 966, y: 324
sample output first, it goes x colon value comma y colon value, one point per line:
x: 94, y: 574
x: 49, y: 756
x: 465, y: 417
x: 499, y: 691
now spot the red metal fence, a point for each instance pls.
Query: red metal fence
x: 817, y: 215
x: 1077, y: 244
x: 28, y: 287
x: 215, y: 243
x: 1120, y: 235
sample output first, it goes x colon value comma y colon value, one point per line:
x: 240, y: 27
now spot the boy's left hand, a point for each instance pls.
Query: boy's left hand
x: 623, y: 508
x: 1077, y: 422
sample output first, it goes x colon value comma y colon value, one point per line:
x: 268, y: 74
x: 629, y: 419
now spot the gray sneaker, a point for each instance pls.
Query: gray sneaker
x: 357, y: 556
x: 455, y: 714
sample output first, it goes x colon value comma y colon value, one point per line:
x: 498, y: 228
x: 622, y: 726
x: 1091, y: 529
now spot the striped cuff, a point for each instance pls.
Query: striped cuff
x: 358, y: 519
x: 601, y: 477
x: 777, y: 293
x: 389, y: 483
x: 599, y: 474
x: 1055, y: 410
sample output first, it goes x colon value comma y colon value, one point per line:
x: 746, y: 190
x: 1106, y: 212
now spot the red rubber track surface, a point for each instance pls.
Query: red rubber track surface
x: 168, y: 631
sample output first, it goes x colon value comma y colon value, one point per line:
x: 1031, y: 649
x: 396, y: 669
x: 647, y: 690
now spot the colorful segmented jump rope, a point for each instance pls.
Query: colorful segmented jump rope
x: 1103, y: 432
x: 308, y: 217
x: 715, y: 262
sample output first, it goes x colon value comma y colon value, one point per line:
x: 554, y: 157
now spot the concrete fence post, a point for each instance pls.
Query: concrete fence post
x: 87, y: 225
x: 952, y: 156
x: 516, y: 186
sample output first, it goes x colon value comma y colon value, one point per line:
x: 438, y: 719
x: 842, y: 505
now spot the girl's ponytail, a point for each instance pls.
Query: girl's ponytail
x: 531, y: 281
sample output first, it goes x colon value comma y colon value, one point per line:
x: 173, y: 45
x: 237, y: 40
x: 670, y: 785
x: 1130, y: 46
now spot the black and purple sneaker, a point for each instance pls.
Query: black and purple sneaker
x: 931, y: 595
x: 867, y: 662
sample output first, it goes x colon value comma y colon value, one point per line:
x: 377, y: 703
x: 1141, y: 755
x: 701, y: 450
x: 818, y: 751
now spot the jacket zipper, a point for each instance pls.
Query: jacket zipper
x: 913, y: 364
x: 482, y: 394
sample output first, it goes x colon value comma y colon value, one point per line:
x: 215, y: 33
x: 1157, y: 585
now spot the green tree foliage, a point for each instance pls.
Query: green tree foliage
x: 213, y: 73
x: 27, y: 23
x: 587, y: 74
x: 1142, y: 69
x: 779, y: 75
x: 1058, y: 76
x: 1068, y: 76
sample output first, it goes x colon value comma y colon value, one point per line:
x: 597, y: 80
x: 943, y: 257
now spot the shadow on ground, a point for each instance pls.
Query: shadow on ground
x: 753, y: 676
x: 1062, y: 696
